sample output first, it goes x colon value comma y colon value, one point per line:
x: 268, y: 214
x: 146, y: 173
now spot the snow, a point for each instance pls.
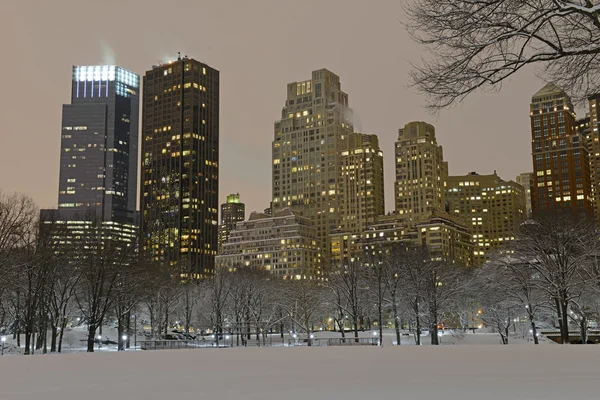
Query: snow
x: 294, y: 373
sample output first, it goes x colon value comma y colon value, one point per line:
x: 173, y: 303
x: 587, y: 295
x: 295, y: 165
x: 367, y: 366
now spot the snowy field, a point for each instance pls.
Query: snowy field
x: 446, y: 372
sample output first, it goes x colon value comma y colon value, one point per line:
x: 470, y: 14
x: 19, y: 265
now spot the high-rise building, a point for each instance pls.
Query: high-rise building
x: 494, y: 208
x: 307, y: 146
x: 180, y: 166
x: 232, y: 212
x: 526, y: 180
x: 361, y: 184
x: 420, y: 171
x: 560, y: 158
x: 284, y: 243
x: 593, y: 145
x: 99, y: 156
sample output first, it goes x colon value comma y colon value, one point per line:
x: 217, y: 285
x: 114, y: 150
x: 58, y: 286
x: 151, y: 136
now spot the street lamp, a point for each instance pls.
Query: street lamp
x: 3, y: 340
x: 99, y: 341
x: 124, y: 341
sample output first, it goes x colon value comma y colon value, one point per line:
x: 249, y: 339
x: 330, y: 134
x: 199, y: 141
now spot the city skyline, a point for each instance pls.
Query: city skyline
x: 381, y: 102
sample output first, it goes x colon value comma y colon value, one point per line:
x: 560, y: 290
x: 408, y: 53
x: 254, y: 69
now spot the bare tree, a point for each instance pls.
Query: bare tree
x: 557, y: 250
x: 219, y: 289
x: 346, y: 284
x: 303, y: 302
x: 443, y: 283
x: 479, y: 44
x: 101, y: 262
x: 402, y: 278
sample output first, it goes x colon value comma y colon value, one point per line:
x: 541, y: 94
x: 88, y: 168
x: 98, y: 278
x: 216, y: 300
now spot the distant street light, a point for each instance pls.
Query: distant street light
x: 99, y: 341
x: 3, y: 340
x: 124, y: 337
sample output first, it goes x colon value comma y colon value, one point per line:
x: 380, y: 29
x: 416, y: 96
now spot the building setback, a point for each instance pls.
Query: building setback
x: 98, y: 159
x: 308, y: 141
x: 493, y: 208
x: 285, y: 244
x: 232, y: 212
x: 180, y: 166
x: 560, y: 158
x: 362, y: 197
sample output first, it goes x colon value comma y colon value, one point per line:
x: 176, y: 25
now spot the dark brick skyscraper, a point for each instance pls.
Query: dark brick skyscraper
x: 560, y: 157
x: 180, y: 166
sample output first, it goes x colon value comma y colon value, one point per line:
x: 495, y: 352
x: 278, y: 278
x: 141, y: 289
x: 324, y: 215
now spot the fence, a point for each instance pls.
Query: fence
x: 196, y: 344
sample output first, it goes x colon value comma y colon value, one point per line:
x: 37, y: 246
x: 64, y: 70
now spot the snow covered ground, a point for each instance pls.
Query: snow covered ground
x: 445, y: 372
x: 75, y: 339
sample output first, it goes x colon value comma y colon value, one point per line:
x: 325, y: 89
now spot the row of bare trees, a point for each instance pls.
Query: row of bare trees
x: 551, y: 273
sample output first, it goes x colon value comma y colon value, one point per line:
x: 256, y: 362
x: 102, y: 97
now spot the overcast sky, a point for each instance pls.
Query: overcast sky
x: 259, y: 46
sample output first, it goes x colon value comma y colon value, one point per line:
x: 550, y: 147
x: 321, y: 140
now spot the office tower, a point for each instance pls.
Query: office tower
x: 99, y: 157
x: 526, y: 180
x: 285, y: 244
x: 180, y: 166
x: 593, y: 145
x: 560, y: 157
x: 232, y: 212
x: 361, y: 184
x: 420, y: 171
x: 307, y: 145
x: 494, y: 208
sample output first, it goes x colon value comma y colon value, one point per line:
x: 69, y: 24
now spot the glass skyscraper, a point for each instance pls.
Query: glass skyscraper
x: 99, y: 153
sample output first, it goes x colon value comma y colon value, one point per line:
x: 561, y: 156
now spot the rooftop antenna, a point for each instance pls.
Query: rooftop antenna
x: 178, y: 56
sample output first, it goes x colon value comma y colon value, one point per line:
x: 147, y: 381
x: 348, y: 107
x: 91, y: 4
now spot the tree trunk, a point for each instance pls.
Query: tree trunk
x: 534, y: 332
x: 583, y: 329
x: 27, y: 342
x: 53, y: 338
x: 565, y: 320
x: 120, y: 341
x: 397, y: 323
x: 62, y: 331
x: 91, y: 338
x: 418, y: 328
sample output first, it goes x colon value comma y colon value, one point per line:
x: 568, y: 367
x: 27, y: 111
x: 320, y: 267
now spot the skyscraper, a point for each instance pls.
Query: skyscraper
x: 490, y: 206
x: 99, y: 154
x: 361, y: 185
x: 232, y: 212
x: 560, y: 157
x: 420, y: 171
x: 180, y: 166
x: 99, y: 145
x: 593, y: 144
x: 526, y: 180
x: 307, y: 145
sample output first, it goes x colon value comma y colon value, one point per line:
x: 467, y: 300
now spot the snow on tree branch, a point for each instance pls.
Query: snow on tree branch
x: 477, y: 44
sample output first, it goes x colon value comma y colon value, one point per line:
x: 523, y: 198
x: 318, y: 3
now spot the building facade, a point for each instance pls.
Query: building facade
x: 97, y: 190
x: 308, y: 142
x: 362, y: 197
x: 232, y: 212
x: 526, y: 180
x: 446, y: 237
x: 593, y: 145
x: 492, y: 207
x: 180, y: 166
x: 420, y: 171
x: 285, y: 244
x: 561, y: 165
